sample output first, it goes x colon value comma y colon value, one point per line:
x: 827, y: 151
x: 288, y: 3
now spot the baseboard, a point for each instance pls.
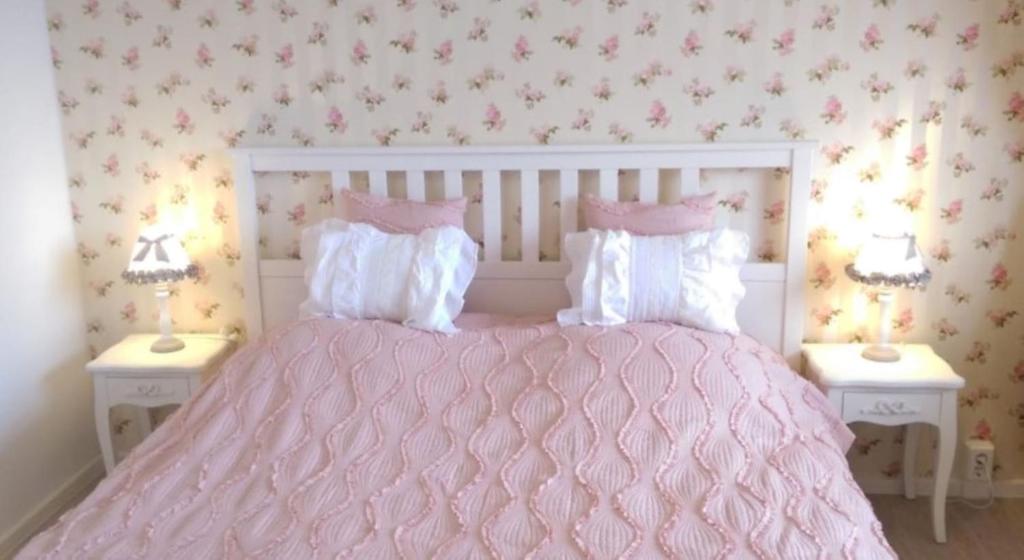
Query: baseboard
x: 1010, y: 488
x: 72, y: 490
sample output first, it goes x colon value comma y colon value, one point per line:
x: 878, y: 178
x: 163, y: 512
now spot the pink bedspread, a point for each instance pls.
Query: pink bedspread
x: 369, y: 440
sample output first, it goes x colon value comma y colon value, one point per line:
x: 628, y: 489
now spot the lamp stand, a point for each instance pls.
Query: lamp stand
x: 882, y: 351
x: 166, y: 343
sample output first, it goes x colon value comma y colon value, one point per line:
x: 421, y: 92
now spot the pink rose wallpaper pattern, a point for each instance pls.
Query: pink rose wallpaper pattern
x: 917, y: 107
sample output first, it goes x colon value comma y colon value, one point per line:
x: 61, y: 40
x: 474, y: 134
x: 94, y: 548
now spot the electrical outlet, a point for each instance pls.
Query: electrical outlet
x: 978, y: 460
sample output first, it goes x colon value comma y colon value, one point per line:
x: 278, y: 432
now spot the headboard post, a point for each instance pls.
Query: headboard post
x: 796, y: 253
x: 249, y: 241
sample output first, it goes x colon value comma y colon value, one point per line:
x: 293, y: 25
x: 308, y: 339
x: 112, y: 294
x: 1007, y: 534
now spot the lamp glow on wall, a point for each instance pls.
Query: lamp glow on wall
x: 159, y: 258
x: 890, y: 262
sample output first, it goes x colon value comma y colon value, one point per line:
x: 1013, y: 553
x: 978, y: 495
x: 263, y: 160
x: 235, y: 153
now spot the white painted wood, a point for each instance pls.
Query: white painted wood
x: 340, y: 180
x: 282, y: 296
x: 841, y: 365
x: 101, y: 410
x: 761, y: 312
x: 689, y: 181
x: 890, y: 409
x: 569, y: 190
x: 796, y: 251
x: 529, y: 180
x: 544, y: 157
x: 145, y: 421
x: 153, y: 392
x: 772, y: 311
x: 919, y: 388
x: 453, y: 183
x: 591, y: 151
x: 632, y: 156
x: 608, y: 183
x: 415, y: 185
x: 944, y: 463
x: 249, y: 242
x: 280, y: 268
x: 648, y: 185
x: 379, y: 182
x: 492, y: 215
x: 911, y: 441
x: 128, y: 373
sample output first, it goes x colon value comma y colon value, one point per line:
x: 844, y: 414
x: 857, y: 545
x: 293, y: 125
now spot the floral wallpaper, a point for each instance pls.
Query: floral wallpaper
x: 918, y: 108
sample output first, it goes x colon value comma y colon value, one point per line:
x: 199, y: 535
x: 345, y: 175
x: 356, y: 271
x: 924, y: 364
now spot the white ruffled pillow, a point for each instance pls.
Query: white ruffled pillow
x: 355, y: 271
x: 692, y: 279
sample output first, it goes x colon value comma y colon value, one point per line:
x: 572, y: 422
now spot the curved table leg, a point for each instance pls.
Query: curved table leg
x: 102, y: 413
x: 911, y: 437
x: 145, y: 421
x: 944, y: 463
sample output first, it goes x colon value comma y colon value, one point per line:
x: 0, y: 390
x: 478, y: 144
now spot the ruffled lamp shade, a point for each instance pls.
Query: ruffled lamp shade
x: 890, y: 262
x: 893, y: 261
x: 158, y: 258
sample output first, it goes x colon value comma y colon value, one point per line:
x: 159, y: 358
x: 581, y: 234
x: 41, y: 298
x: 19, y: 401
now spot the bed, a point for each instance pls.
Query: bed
x: 514, y: 438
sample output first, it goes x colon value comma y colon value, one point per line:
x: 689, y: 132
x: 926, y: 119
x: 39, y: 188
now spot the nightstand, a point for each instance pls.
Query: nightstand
x: 129, y: 373
x: 918, y: 389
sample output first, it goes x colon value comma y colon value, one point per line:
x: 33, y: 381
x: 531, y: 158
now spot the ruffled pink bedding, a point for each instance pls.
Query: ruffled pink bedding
x: 369, y: 440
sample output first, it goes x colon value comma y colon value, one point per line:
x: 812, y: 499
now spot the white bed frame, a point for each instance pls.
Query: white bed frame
x: 772, y: 311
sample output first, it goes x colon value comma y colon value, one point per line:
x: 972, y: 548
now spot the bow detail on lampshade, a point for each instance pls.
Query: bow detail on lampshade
x: 147, y: 244
x: 158, y: 256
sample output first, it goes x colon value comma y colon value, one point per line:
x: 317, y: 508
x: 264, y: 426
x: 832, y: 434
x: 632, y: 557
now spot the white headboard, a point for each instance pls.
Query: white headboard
x: 772, y: 311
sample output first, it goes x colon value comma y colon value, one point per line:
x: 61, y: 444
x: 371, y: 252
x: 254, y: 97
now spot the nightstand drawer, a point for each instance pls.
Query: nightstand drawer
x: 147, y: 392
x: 891, y: 408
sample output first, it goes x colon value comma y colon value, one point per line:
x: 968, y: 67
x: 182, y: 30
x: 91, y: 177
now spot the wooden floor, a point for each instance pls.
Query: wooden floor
x: 996, y: 533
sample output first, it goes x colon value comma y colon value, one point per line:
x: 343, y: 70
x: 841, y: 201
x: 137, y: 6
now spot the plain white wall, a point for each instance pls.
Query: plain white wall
x: 46, y: 425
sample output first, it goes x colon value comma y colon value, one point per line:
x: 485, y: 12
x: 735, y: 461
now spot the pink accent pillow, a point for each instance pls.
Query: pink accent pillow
x: 394, y: 215
x: 641, y: 218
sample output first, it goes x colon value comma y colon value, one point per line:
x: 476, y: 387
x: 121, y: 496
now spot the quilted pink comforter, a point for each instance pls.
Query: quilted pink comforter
x: 370, y: 440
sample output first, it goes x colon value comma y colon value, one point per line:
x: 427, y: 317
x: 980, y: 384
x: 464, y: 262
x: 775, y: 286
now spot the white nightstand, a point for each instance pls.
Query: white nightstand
x: 129, y: 373
x: 919, y: 389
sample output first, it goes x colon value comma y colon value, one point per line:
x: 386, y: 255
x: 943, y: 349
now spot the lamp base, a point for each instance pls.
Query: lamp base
x: 880, y: 353
x: 166, y: 344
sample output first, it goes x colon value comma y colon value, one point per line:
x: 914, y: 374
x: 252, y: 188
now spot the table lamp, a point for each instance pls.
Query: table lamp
x: 890, y: 262
x: 158, y: 258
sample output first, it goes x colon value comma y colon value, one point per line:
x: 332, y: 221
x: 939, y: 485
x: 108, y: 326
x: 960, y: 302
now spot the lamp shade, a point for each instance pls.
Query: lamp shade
x: 893, y: 261
x: 158, y: 256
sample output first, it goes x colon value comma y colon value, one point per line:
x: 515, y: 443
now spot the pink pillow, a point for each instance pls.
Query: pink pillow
x: 641, y: 218
x: 394, y: 215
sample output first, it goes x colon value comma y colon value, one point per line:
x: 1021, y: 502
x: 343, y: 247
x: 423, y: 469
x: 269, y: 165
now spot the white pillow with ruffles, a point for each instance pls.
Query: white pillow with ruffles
x: 692, y: 279
x: 355, y: 271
